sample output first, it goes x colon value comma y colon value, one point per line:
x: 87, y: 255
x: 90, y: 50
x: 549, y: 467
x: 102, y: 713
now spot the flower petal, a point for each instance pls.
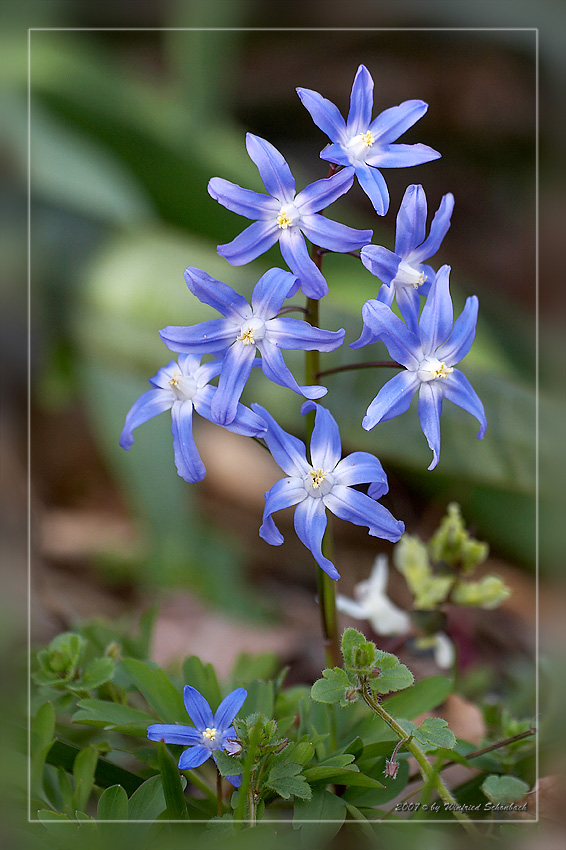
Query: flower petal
x: 320, y: 194
x: 411, y: 221
x: 458, y: 390
x: 243, y: 201
x: 373, y: 183
x: 393, y: 122
x: 337, y: 154
x: 250, y: 243
x: 246, y: 423
x: 148, y: 405
x: 393, y: 399
x: 295, y: 254
x: 284, y: 494
x: 205, y: 338
x: 435, y: 323
x: 194, y: 757
x: 381, y: 262
x: 326, y: 447
x: 204, y: 373
x: 272, y: 167
x: 409, y: 303
x: 189, y: 364
x: 361, y: 102
x: 276, y: 370
x: 288, y: 452
x: 228, y: 708
x: 198, y: 708
x: 187, y: 459
x: 402, y: 345
x: 217, y: 294
x: 324, y: 113
x: 270, y: 292
x: 359, y: 509
x: 332, y: 235
x: 235, y: 372
x: 360, y: 468
x: 310, y: 525
x: 172, y: 733
x: 438, y: 230
x: 352, y: 607
x: 430, y: 408
x: 297, y: 334
x: 402, y: 156
x: 460, y: 340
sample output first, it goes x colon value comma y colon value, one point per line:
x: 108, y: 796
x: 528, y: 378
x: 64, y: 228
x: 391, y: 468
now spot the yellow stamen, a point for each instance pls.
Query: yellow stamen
x: 247, y: 337
x: 174, y: 381
x: 368, y: 138
x: 442, y: 371
x: 420, y: 281
x: 317, y: 476
x: 209, y: 733
x: 283, y: 220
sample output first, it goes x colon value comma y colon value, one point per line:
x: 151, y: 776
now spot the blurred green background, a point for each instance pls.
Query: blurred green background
x: 126, y: 129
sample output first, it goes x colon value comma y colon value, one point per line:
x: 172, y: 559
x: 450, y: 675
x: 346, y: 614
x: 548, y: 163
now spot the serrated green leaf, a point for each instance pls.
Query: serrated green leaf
x: 148, y: 802
x: 113, y: 715
x: 285, y: 780
x: 504, y: 789
x: 162, y: 696
x: 330, y: 689
x: 228, y: 765
x: 425, y: 695
x: 84, y: 768
x: 393, y: 678
x: 113, y: 805
x: 99, y: 671
x: 172, y: 785
x: 434, y: 731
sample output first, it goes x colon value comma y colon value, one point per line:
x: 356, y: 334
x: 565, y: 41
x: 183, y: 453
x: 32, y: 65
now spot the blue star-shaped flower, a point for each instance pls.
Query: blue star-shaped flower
x: 324, y: 483
x: 180, y: 387
x: 429, y: 356
x: 210, y: 732
x: 403, y: 273
x: 365, y: 144
x: 246, y: 330
x: 284, y: 216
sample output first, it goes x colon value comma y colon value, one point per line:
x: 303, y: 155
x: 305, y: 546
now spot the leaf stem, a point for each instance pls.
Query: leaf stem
x: 348, y: 367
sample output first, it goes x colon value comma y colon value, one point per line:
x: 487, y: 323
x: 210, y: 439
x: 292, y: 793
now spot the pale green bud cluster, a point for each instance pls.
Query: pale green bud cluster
x: 490, y: 592
x: 452, y: 544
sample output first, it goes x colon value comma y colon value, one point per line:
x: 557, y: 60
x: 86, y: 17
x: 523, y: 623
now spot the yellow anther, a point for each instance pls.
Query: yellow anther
x: 442, y: 371
x: 174, y: 381
x: 368, y: 138
x: 317, y: 476
x: 420, y: 281
x: 209, y: 733
x: 283, y: 220
x: 247, y: 337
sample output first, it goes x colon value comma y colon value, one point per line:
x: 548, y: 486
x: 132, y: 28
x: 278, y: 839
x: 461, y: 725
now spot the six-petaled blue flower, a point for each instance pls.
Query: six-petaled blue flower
x: 210, y: 732
x: 285, y: 216
x: 326, y: 482
x: 429, y: 356
x: 245, y: 330
x: 365, y: 144
x: 403, y: 273
x: 181, y: 386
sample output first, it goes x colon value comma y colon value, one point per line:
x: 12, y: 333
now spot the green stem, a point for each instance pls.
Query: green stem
x: 348, y: 367
x: 326, y: 585
x: 218, y: 793
x: 428, y: 773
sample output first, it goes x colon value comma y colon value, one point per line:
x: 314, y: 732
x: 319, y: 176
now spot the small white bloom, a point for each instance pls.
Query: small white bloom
x: 443, y: 651
x: 373, y: 604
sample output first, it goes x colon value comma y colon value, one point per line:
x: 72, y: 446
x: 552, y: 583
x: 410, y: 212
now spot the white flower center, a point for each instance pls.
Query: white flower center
x: 318, y: 483
x: 288, y: 216
x: 209, y: 735
x: 431, y: 368
x: 407, y: 275
x: 183, y: 386
x: 359, y: 146
x: 251, y: 331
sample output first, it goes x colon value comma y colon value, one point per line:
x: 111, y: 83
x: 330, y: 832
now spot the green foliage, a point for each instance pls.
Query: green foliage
x: 285, y: 780
x: 504, y: 789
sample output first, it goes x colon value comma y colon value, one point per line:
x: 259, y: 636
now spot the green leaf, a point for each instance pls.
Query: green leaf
x: 434, y: 731
x: 425, y: 695
x: 360, y: 796
x: 113, y: 805
x: 84, y: 768
x: 106, y: 774
x: 58, y: 825
x: 504, y: 789
x: 331, y: 688
x: 228, y: 765
x: 42, y: 732
x: 260, y: 666
x: 392, y: 679
x: 148, y: 802
x: 352, y: 640
x: 172, y: 786
x: 285, y: 780
x: 162, y: 696
x: 96, y: 673
x: 326, y: 814
x: 259, y: 698
x: 300, y: 753
x: 330, y: 766
x: 203, y: 678
x: 113, y: 715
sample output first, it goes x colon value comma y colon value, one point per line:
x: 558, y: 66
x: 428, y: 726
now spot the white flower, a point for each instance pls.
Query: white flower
x: 373, y: 604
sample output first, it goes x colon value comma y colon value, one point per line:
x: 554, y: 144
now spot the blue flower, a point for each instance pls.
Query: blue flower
x: 245, y: 330
x: 429, y: 356
x: 365, y: 144
x: 210, y: 732
x: 181, y: 386
x: 326, y: 482
x: 284, y: 216
x: 404, y: 273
